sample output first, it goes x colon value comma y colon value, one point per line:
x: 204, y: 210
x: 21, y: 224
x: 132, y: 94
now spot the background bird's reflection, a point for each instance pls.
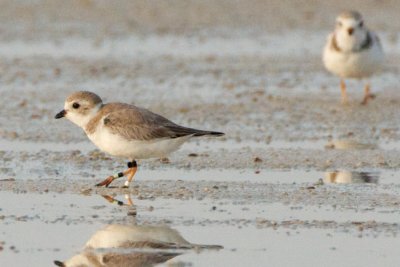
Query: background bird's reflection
x: 348, y: 177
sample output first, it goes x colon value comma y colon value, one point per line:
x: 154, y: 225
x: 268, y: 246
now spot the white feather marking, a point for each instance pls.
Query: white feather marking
x: 117, y: 145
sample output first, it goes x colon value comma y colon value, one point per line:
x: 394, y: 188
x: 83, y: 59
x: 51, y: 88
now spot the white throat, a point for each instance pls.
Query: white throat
x: 350, y: 43
x: 82, y: 119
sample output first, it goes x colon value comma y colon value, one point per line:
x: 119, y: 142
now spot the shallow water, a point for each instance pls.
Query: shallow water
x: 49, y: 226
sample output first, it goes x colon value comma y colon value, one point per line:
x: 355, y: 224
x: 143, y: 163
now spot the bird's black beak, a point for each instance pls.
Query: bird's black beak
x: 59, y: 263
x: 60, y: 114
x: 350, y: 31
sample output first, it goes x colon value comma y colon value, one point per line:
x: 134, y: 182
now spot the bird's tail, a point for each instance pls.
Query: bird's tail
x: 212, y: 247
x: 202, y: 133
x: 179, y: 131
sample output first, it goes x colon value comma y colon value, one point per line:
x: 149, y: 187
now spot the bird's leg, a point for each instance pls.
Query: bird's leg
x: 111, y: 178
x: 130, y: 172
x: 113, y: 200
x: 343, y: 90
x: 133, y: 168
x: 367, y: 94
x: 129, y: 200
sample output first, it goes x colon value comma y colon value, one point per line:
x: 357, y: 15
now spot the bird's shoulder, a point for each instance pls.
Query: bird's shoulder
x: 133, y: 122
x: 126, y: 114
x: 331, y: 44
x: 375, y: 38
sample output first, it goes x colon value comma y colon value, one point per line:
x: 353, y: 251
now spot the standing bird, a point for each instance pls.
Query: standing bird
x: 125, y: 130
x: 352, y: 51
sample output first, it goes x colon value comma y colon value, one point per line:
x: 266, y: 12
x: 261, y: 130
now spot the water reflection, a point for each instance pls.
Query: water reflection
x: 132, y: 245
x: 347, y: 177
x: 346, y: 144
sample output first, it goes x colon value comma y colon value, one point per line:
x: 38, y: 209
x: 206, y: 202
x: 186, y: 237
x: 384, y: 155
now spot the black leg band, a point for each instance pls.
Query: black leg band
x: 132, y: 164
x: 120, y: 174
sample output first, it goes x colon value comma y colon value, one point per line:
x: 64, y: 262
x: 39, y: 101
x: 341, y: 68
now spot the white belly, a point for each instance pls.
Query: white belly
x: 353, y: 65
x: 118, y: 146
x: 114, y: 236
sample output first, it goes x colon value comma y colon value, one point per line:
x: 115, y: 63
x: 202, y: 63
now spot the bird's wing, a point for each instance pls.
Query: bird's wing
x: 135, y: 123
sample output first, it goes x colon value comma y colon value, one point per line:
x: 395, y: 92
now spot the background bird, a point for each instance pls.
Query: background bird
x: 352, y: 51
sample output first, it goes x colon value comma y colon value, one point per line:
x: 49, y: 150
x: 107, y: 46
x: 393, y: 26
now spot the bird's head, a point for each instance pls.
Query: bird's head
x: 80, y: 107
x: 350, y: 30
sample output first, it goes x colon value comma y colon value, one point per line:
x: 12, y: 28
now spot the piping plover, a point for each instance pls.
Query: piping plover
x: 352, y: 51
x: 125, y: 130
x: 132, y: 245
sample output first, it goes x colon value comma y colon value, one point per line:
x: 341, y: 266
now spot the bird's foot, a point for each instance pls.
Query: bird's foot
x: 368, y: 97
x: 107, y: 181
x: 113, y: 200
x: 345, y: 102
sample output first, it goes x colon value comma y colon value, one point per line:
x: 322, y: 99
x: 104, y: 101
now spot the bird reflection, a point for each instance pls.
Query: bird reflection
x: 113, y: 200
x: 347, y: 177
x: 126, y: 245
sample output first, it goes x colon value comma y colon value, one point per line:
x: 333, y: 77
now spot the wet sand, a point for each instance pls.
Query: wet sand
x: 298, y: 178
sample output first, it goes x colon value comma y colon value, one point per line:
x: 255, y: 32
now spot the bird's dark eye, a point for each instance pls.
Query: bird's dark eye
x: 361, y: 24
x: 75, y: 105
